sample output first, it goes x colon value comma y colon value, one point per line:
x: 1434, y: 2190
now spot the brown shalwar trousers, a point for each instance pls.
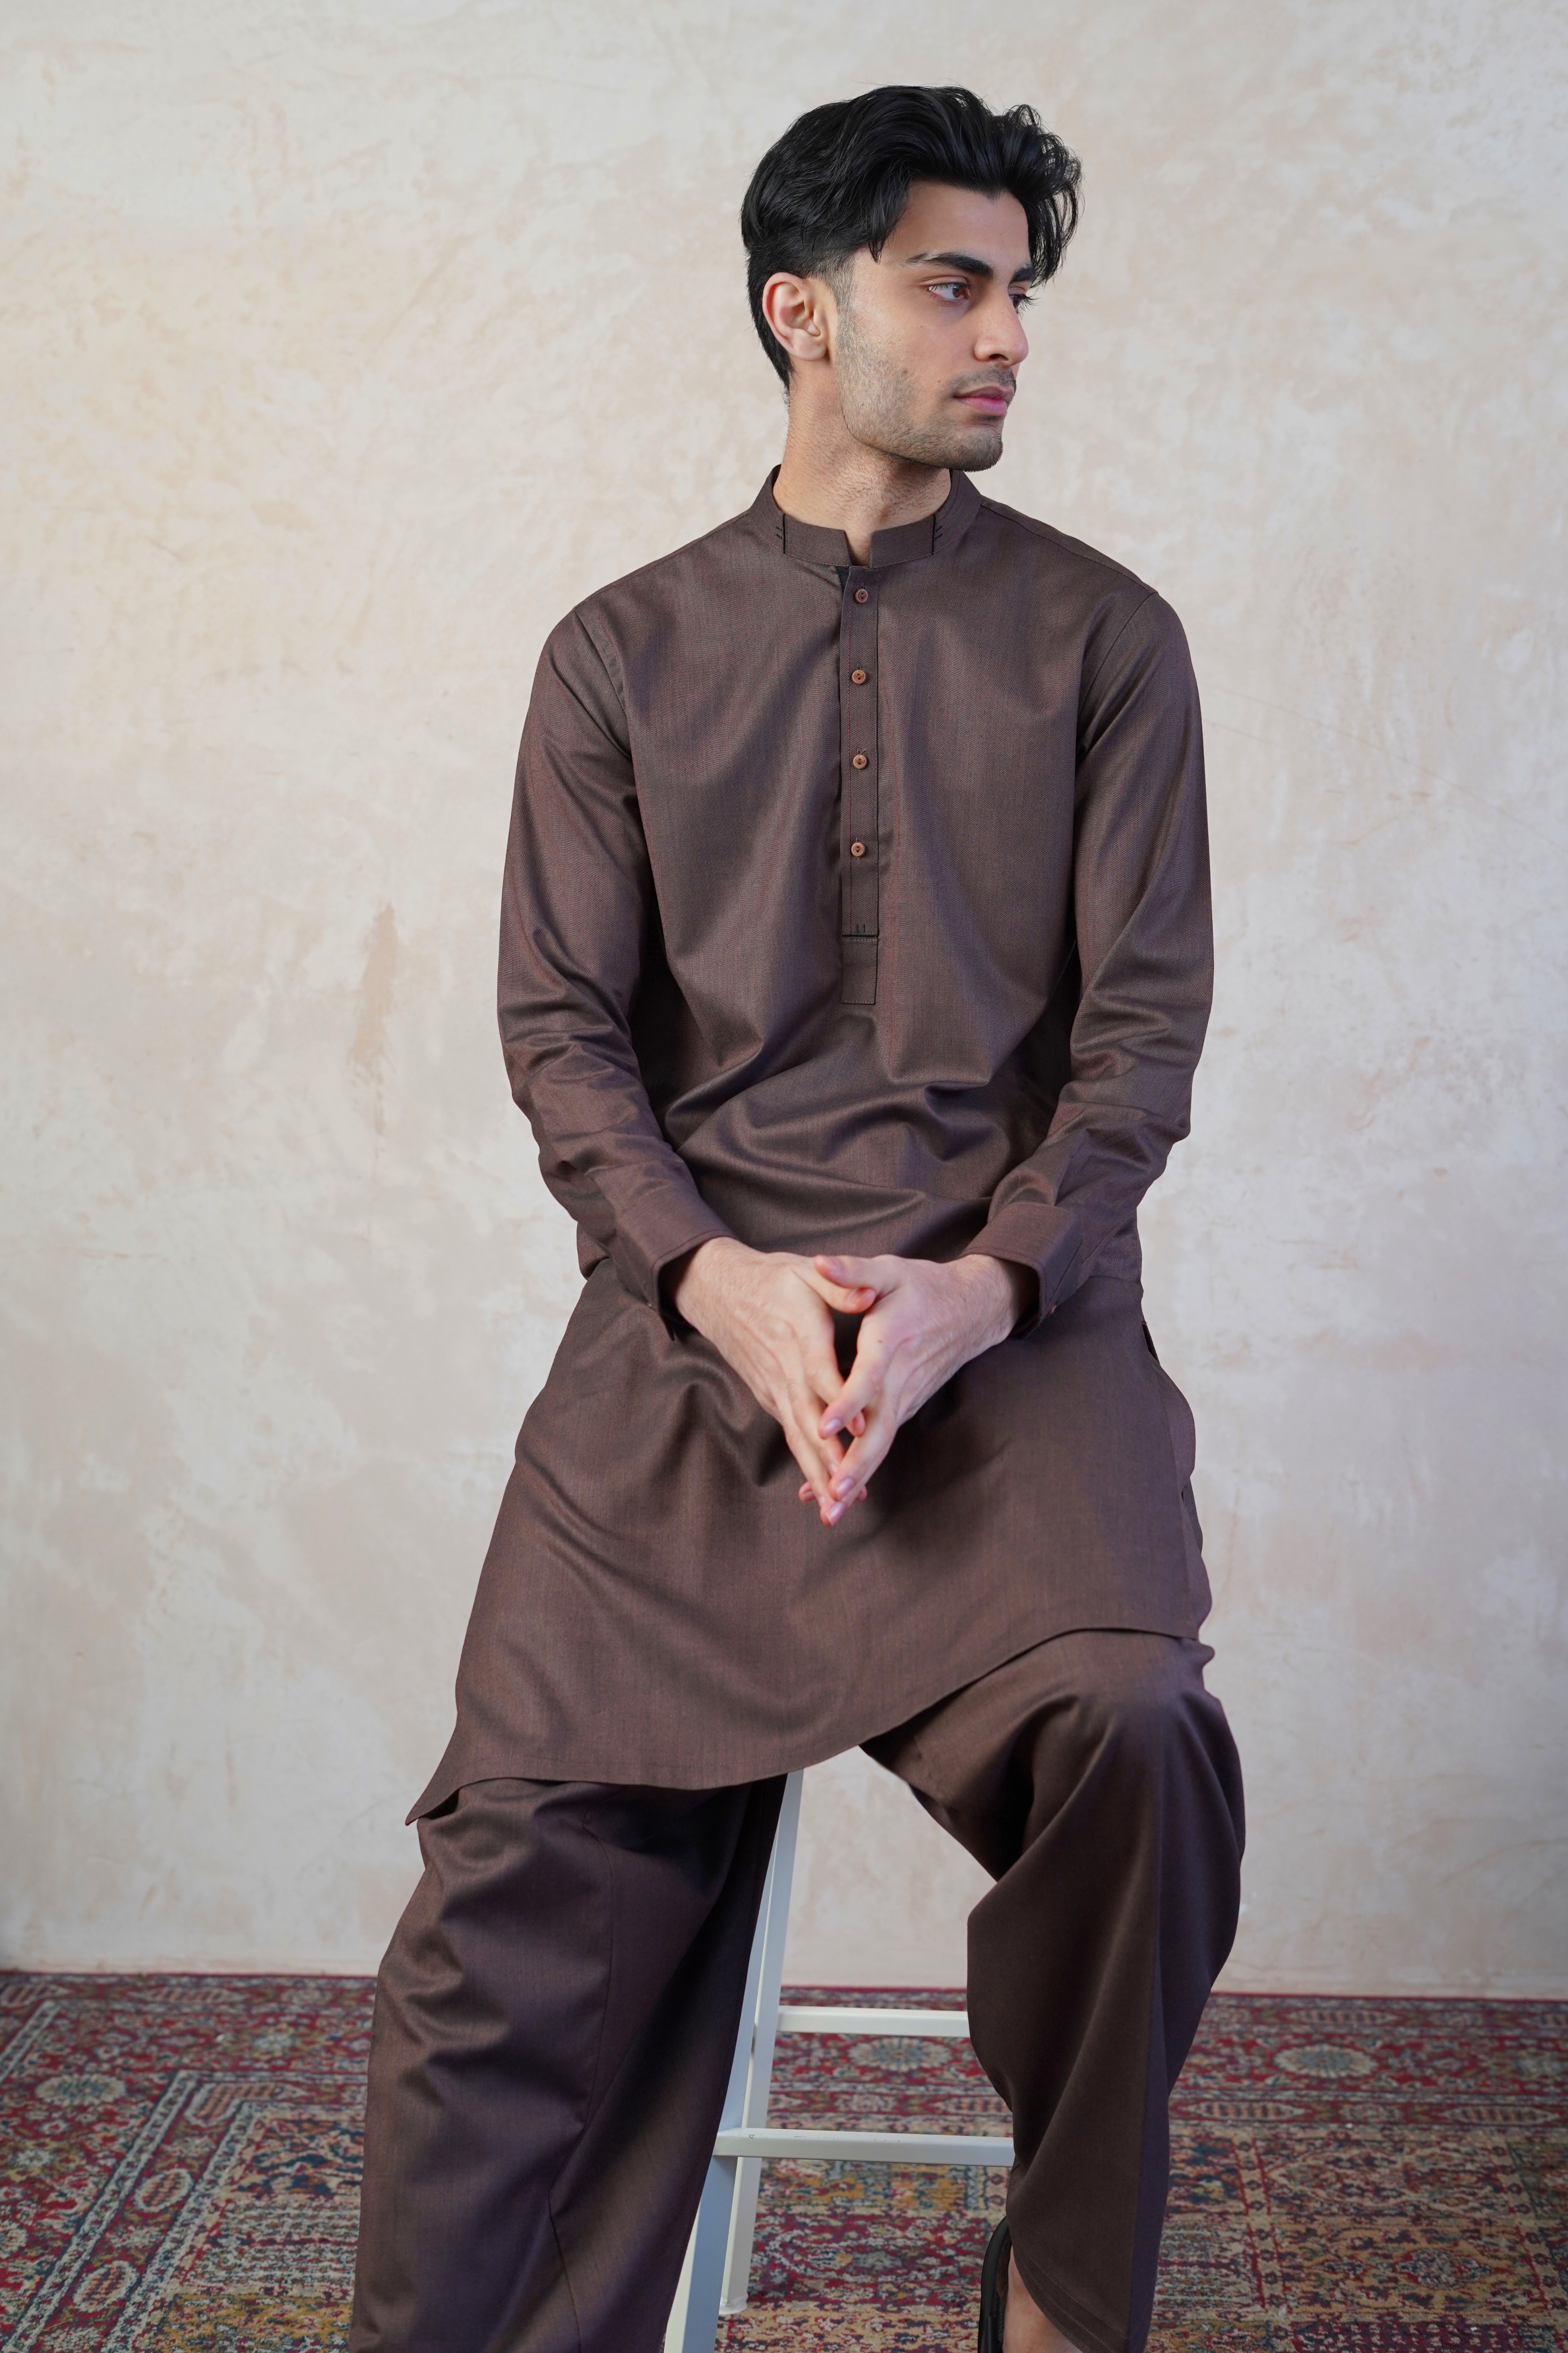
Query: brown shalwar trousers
x: 556, y: 2015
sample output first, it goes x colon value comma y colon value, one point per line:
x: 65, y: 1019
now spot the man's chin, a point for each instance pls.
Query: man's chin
x: 966, y: 447
x: 981, y: 448
x: 969, y: 448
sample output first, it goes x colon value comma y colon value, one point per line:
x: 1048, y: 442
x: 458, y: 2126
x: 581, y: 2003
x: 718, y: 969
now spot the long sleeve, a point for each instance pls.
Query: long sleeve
x: 577, y: 907
x: 1144, y: 950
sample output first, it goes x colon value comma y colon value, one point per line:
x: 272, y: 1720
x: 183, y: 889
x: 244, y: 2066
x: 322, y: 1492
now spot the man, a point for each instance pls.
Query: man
x: 855, y: 961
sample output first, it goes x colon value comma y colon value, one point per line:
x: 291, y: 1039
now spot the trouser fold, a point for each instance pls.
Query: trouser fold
x: 556, y: 2015
x: 555, y: 2023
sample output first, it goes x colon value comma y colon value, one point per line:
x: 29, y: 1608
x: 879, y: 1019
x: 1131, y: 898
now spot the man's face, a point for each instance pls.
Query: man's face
x: 928, y: 339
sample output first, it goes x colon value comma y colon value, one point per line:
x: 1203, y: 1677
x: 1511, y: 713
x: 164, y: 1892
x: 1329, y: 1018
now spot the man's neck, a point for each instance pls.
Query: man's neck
x: 839, y: 484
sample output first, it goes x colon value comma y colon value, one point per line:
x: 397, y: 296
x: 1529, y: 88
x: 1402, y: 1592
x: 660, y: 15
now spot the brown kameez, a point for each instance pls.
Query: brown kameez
x: 861, y: 908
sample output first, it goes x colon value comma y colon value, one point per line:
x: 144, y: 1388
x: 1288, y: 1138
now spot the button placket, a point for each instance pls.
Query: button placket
x: 858, y: 857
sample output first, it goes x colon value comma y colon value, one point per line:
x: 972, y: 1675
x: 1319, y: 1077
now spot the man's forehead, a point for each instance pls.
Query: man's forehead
x: 962, y: 228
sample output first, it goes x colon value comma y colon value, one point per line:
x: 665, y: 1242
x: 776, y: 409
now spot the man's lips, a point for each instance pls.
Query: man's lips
x: 989, y: 399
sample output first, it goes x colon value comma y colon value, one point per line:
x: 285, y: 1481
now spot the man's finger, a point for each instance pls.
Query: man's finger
x: 803, y: 1406
x: 816, y: 1471
x: 805, y: 1494
x: 850, y: 1298
x: 860, y: 1389
x: 859, y: 1472
x: 878, y: 1275
x: 822, y: 1372
x: 864, y: 1460
x: 820, y: 1486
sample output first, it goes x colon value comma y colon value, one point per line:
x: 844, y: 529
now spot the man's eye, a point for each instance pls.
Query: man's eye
x: 950, y: 289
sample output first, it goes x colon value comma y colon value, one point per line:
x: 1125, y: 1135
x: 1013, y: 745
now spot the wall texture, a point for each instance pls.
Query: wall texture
x: 343, y: 348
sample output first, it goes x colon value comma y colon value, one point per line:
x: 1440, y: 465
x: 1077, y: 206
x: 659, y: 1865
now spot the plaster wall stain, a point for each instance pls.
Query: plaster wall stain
x: 367, y: 1051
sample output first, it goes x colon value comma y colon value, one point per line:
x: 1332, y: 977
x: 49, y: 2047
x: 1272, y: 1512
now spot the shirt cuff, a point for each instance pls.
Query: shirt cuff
x: 650, y: 1256
x: 1041, y: 1237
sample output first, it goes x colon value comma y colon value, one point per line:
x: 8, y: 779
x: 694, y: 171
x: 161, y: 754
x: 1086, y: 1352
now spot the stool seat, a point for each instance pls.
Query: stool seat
x: 716, y: 2272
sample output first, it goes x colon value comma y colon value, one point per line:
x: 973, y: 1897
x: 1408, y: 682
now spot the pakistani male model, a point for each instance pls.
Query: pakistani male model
x: 854, y: 963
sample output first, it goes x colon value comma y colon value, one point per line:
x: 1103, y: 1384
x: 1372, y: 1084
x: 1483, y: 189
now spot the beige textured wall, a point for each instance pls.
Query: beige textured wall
x: 345, y: 346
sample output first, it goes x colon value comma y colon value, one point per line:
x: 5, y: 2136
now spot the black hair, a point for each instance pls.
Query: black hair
x: 840, y: 177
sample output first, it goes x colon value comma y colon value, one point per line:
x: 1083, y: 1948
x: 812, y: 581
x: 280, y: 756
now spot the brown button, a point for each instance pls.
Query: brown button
x: 858, y: 676
x: 857, y: 850
x: 859, y: 761
x: 862, y: 595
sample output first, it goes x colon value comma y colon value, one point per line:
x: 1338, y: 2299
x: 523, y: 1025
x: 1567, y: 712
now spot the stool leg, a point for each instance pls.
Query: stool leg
x: 694, y: 2318
x: 773, y: 1931
x: 719, y: 2254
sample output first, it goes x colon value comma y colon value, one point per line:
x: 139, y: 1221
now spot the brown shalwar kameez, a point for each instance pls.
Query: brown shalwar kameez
x: 847, y: 907
x: 850, y: 908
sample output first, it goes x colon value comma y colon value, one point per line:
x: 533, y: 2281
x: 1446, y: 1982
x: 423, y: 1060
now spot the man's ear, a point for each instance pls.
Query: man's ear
x: 801, y: 313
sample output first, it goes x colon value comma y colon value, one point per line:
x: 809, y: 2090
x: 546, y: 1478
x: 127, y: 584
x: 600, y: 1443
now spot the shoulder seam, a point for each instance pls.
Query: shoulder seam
x: 1037, y: 530
x: 656, y: 563
x: 580, y: 615
x: 1150, y: 597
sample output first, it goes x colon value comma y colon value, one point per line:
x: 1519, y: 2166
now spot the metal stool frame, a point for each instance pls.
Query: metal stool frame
x: 713, y: 2280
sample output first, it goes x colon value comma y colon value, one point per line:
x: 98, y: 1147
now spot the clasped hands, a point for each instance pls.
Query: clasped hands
x: 768, y: 1312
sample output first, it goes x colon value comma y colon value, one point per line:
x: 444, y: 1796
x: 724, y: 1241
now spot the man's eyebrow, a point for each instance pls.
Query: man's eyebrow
x: 970, y: 263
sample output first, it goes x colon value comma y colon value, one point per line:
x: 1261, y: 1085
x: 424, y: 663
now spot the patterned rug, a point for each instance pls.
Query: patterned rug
x: 178, y: 2162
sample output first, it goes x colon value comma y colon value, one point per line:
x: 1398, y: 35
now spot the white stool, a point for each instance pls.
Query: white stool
x: 713, y: 2280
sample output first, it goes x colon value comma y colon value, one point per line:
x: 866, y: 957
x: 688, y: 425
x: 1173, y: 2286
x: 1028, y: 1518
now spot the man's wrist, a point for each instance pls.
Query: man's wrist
x: 687, y: 1280
x: 1012, y: 1291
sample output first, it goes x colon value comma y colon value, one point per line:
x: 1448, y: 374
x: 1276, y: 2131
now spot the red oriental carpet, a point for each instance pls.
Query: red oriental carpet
x: 179, y: 2155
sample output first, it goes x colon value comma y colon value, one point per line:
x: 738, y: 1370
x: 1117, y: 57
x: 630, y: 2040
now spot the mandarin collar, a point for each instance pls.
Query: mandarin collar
x: 809, y: 542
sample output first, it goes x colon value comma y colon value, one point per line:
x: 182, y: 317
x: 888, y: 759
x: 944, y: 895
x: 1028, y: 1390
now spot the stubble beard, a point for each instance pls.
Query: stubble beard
x: 877, y: 399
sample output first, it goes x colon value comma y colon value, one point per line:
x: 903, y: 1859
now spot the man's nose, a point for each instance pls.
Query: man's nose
x: 999, y: 333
